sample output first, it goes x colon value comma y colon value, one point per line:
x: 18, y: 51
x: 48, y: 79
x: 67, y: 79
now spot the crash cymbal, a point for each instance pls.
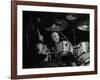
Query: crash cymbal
x: 59, y: 25
x: 84, y: 26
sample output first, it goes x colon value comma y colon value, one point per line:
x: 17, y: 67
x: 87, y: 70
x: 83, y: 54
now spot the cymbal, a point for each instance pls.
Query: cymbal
x: 59, y: 25
x: 55, y: 28
x: 84, y: 25
x: 83, y: 28
x: 71, y: 17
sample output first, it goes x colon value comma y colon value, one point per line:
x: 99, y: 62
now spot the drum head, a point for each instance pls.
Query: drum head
x: 64, y: 58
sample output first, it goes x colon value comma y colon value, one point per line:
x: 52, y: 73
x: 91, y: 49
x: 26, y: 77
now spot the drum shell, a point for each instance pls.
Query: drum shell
x: 64, y: 46
x: 82, y: 53
x: 64, y: 53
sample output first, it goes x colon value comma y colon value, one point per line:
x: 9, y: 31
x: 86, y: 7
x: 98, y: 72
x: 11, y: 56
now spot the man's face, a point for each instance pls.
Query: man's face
x: 55, y: 37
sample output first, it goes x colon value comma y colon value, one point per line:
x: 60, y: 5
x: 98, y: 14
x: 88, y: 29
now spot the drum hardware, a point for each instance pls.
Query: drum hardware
x: 72, y: 18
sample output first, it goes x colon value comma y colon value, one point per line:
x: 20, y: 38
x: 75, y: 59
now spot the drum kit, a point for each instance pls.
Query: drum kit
x: 64, y: 49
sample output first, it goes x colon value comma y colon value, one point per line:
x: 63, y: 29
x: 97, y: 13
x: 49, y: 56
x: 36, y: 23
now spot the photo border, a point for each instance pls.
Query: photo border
x: 14, y: 38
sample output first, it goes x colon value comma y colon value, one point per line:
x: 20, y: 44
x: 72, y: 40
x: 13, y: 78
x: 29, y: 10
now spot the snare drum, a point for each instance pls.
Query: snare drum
x: 81, y: 52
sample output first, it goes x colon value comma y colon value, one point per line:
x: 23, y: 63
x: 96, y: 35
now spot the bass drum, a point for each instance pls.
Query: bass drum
x: 64, y: 53
x: 81, y: 53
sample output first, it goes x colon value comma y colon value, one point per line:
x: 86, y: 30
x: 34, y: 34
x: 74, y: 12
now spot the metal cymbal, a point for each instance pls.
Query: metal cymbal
x: 84, y: 26
x: 71, y: 17
x: 59, y: 25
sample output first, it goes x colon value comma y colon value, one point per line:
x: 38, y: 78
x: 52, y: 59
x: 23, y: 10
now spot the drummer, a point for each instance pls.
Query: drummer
x: 68, y: 59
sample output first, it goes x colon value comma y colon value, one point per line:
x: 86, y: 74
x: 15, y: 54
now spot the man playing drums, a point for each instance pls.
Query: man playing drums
x: 63, y: 51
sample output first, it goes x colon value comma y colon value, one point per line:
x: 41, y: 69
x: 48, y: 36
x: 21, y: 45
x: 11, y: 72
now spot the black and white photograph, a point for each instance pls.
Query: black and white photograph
x: 52, y: 39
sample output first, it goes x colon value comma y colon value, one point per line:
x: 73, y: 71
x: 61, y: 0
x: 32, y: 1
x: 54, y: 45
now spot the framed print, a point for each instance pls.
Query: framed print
x: 53, y: 39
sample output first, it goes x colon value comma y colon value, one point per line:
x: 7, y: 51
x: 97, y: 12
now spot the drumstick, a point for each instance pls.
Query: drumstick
x: 40, y: 36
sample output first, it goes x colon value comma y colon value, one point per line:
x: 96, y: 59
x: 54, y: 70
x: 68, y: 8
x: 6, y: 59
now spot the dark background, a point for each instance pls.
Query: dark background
x: 45, y: 20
